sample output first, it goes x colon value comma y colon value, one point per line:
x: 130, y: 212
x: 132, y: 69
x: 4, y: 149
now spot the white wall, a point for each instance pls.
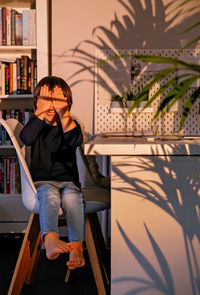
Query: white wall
x: 123, y: 24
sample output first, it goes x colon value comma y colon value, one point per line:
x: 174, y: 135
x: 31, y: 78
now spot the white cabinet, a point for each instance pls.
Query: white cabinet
x: 13, y: 215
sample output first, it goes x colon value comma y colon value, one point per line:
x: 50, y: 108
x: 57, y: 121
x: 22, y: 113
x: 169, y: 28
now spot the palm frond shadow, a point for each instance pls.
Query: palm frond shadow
x: 180, y: 201
x: 166, y: 286
x: 137, y: 28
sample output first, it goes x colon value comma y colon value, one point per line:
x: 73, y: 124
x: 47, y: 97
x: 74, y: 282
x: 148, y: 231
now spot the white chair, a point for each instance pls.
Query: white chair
x: 96, y: 198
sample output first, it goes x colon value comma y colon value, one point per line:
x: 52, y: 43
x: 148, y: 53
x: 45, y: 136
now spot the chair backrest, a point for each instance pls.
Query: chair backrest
x: 13, y: 127
x: 96, y: 198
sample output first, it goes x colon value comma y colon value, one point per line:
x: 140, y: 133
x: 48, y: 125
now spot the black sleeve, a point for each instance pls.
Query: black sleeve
x: 31, y: 130
x: 74, y: 137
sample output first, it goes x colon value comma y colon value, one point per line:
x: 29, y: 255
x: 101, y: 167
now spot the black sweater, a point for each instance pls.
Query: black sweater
x: 53, y: 153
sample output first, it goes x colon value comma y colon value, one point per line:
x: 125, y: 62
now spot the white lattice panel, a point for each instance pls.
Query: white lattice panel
x: 115, y: 77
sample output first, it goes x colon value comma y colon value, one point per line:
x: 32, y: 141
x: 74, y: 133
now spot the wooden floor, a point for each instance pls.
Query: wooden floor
x: 50, y: 275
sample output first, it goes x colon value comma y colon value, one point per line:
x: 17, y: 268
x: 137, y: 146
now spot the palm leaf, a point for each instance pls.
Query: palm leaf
x: 167, y: 60
x: 143, y: 94
x: 189, y: 104
x: 163, y: 88
x: 191, y: 27
x: 175, y: 94
x: 144, y: 262
x: 162, y: 262
x: 190, y: 43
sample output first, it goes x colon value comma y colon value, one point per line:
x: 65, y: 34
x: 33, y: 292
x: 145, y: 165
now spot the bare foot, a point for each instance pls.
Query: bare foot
x: 76, y: 258
x: 54, y: 246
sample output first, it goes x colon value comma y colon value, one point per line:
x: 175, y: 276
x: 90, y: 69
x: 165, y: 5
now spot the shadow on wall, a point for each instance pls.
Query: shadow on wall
x: 144, y: 26
x: 177, y: 194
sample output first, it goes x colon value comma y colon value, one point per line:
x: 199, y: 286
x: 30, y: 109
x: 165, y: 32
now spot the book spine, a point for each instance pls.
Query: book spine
x: 32, y: 27
x: 17, y: 115
x: 8, y: 175
x: 32, y: 76
x: 7, y: 79
x: 0, y: 78
x: 8, y: 25
x: 17, y: 178
x: 3, y: 136
x: 35, y: 73
x: 3, y: 175
x: 0, y: 134
x: 23, y: 117
x: 25, y: 20
x: 12, y: 113
x: 14, y: 78
x: 24, y: 73
x: 11, y: 79
x: 26, y: 116
x: 12, y: 174
x: 29, y: 75
x: 18, y: 63
x: 20, y: 116
x: 0, y: 26
x: 19, y: 29
x: 4, y: 34
x: 0, y: 177
x: 13, y: 31
x: 3, y: 91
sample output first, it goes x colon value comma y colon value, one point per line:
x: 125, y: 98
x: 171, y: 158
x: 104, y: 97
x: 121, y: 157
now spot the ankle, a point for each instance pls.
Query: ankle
x: 50, y: 236
x: 77, y: 245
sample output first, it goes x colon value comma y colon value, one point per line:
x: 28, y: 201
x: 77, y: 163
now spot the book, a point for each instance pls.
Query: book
x: 25, y: 25
x: 11, y: 79
x: 12, y: 175
x: 26, y: 116
x: 2, y: 175
x: 18, y: 29
x: 17, y: 178
x: 3, y: 90
x: 18, y: 70
x: 0, y: 79
x: 8, y: 25
x: 7, y: 180
x: 7, y: 79
x: 24, y: 73
x: 4, y: 33
x: 13, y: 30
x: 0, y: 26
x: 12, y: 113
x: 32, y: 27
x: 14, y: 78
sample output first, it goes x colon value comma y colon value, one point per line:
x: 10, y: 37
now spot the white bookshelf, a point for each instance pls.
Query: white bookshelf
x: 13, y: 215
x: 14, y: 48
x: 16, y: 96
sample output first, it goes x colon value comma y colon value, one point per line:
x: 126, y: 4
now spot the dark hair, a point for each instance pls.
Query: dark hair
x: 52, y: 82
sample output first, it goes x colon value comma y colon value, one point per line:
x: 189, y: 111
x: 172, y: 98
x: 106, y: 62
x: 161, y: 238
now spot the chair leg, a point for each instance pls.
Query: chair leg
x: 67, y: 275
x: 97, y: 253
x: 28, y: 257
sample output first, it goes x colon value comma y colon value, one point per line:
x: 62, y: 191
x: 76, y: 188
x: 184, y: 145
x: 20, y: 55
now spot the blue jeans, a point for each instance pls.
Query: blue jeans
x: 52, y: 195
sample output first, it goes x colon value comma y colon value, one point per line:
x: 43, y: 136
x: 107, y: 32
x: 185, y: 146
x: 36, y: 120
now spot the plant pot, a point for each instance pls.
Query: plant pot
x: 130, y: 102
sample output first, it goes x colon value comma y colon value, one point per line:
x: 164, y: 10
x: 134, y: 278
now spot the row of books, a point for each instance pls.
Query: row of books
x: 22, y: 116
x: 9, y: 175
x: 18, y: 76
x: 17, y: 26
